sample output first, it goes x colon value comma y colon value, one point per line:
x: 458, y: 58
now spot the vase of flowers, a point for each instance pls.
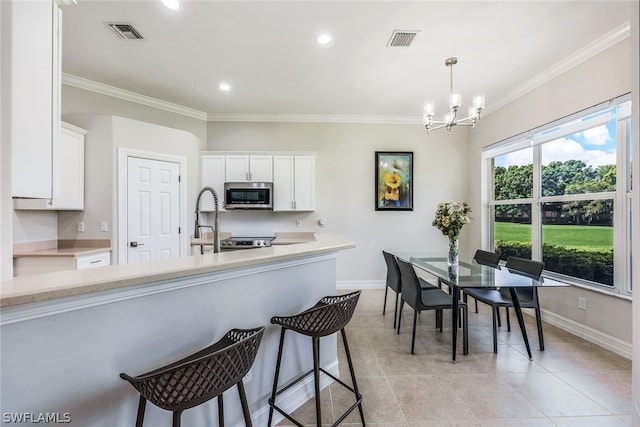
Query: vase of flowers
x: 449, y: 219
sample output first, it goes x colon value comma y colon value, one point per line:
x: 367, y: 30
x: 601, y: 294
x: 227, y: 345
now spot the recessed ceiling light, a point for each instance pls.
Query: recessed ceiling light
x: 324, y: 39
x: 225, y: 87
x: 172, y: 4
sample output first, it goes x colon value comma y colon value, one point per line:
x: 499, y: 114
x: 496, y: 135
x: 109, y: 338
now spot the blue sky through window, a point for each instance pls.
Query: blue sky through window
x: 595, y: 147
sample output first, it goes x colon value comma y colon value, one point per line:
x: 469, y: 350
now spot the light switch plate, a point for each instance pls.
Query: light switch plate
x: 104, y: 226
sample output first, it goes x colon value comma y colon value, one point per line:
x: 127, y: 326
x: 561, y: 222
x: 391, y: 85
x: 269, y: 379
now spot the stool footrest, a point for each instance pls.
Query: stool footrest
x: 272, y: 402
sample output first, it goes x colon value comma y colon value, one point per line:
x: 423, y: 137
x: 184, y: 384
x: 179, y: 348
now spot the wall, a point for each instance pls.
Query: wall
x: 596, y: 80
x: 345, y: 186
x: 6, y: 252
x: 105, y: 135
x: 635, y: 89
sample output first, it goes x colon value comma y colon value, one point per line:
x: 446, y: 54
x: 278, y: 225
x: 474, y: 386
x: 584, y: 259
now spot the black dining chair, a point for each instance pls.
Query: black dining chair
x: 528, y: 297
x: 420, y: 299
x: 490, y: 259
x: 394, y: 283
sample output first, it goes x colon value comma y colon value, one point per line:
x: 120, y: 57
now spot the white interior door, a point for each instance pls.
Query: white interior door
x: 153, y: 210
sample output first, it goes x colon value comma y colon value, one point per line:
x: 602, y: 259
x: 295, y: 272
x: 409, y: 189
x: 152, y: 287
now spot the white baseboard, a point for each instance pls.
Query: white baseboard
x: 606, y: 341
x: 294, y: 397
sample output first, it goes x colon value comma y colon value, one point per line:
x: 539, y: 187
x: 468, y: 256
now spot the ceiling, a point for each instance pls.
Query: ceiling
x: 266, y: 50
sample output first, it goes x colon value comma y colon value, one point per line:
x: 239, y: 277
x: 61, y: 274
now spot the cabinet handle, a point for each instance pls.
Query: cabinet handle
x: 96, y: 261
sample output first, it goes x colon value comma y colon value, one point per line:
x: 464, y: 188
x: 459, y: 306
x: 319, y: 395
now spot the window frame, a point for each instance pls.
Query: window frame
x: 621, y: 197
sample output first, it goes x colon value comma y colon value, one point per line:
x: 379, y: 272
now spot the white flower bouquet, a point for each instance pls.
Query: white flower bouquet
x: 451, y: 217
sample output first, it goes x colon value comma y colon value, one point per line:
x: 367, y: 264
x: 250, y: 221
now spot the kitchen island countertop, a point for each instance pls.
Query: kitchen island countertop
x: 43, y: 287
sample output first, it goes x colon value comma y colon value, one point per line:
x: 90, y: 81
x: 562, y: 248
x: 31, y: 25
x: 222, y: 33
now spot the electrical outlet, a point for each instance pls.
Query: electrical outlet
x: 298, y: 223
x: 104, y: 226
x: 81, y: 227
x: 582, y: 303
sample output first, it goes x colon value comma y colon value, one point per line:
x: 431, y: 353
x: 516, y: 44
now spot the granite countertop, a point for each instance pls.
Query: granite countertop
x: 61, y: 248
x: 43, y: 287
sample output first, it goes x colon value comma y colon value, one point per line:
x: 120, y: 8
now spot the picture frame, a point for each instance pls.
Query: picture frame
x: 394, y: 180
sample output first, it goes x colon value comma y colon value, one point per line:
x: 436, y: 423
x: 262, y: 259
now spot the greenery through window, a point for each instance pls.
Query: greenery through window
x: 555, y: 196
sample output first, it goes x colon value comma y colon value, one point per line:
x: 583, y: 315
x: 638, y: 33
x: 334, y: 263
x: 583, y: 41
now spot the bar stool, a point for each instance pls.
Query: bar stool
x: 200, y: 376
x: 329, y: 315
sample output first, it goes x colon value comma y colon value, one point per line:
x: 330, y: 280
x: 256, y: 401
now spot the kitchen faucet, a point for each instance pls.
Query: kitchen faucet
x: 216, y: 228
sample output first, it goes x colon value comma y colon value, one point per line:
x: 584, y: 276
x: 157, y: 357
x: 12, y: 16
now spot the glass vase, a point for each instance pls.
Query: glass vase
x: 452, y: 254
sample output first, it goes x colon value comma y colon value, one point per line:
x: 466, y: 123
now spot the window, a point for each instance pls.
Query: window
x: 562, y: 194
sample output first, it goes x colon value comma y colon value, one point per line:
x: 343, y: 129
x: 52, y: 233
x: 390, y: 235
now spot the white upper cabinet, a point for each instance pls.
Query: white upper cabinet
x: 71, y: 176
x: 34, y: 59
x: 294, y: 183
x: 212, y: 174
x: 249, y: 168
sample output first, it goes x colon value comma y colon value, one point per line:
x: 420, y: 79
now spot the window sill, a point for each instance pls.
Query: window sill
x: 601, y: 290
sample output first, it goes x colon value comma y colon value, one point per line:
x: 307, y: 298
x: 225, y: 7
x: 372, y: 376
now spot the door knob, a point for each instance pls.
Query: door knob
x: 135, y: 244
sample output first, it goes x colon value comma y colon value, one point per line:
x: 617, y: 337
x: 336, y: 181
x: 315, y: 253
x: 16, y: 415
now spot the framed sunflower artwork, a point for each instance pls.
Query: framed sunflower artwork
x: 394, y: 180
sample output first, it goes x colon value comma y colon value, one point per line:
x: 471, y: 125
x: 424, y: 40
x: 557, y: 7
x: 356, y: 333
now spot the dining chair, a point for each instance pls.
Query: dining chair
x: 490, y: 259
x: 394, y: 282
x: 426, y: 299
x: 528, y: 297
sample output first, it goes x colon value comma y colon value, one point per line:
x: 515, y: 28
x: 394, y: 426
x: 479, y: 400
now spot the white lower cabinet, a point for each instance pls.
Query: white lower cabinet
x: 71, y: 175
x: 93, y: 260
x: 294, y: 183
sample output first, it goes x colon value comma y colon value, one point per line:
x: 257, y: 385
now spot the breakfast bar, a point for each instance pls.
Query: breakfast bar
x: 66, y: 336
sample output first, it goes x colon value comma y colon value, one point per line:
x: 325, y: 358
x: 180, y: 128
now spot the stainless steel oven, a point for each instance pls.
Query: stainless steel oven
x: 236, y: 243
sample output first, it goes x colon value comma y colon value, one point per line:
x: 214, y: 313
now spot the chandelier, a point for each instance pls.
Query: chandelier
x: 455, y: 102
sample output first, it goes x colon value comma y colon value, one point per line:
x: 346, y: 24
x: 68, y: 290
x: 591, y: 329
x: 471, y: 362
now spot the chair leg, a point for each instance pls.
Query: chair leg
x: 220, y: 411
x: 476, y: 302
x: 176, y: 418
x: 243, y: 403
x: 384, y: 306
x: 353, y: 373
x: 272, y: 401
x: 506, y: 309
x: 539, y: 324
x: 316, y: 378
x: 400, y: 315
x: 395, y: 311
x: 142, y: 403
x: 413, y: 335
x: 496, y: 318
x: 465, y: 330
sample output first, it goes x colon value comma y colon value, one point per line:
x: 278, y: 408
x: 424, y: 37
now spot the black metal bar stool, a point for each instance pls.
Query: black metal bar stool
x: 200, y: 377
x: 331, y: 314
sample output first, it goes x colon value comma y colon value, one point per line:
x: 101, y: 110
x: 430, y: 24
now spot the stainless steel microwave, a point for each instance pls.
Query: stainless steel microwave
x: 248, y: 195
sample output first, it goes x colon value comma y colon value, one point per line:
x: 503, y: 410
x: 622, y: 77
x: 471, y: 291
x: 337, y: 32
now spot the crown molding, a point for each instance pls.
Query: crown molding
x: 314, y: 118
x: 589, y: 51
x: 126, y: 95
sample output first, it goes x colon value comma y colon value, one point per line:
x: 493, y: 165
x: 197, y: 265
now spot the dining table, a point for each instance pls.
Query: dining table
x: 468, y: 273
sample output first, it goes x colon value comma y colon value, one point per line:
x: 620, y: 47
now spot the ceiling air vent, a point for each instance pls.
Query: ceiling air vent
x: 401, y: 38
x: 125, y: 31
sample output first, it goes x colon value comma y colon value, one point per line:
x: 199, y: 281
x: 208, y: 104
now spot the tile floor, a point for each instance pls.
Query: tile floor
x: 571, y: 383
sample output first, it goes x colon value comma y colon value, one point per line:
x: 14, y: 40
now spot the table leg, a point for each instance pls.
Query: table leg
x: 454, y: 321
x: 518, y: 310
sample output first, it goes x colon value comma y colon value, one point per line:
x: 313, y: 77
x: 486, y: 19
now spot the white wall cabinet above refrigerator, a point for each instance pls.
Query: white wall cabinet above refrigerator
x: 70, y: 176
x: 249, y: 168
x: 294, y: 183
x: 34, y: 62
